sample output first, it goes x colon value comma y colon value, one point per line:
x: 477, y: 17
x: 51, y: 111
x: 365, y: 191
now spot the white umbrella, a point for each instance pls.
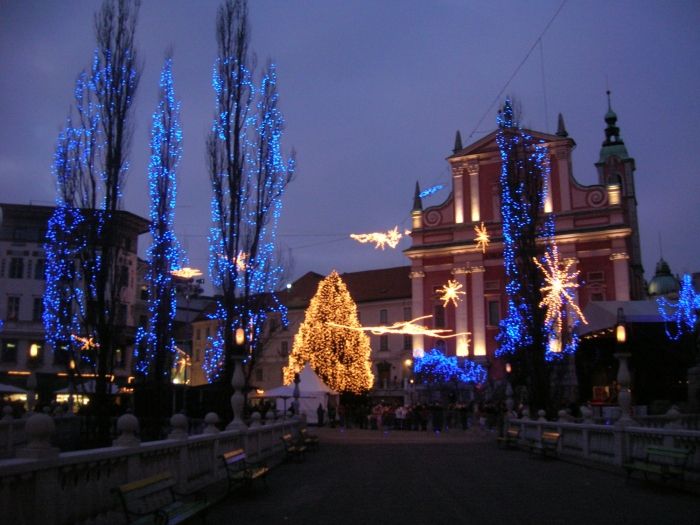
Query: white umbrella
x: 9, y: 389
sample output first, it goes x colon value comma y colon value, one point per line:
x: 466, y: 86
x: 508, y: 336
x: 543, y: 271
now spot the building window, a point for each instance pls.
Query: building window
x: 407, y: 314
x: 596, y: 276
x: 12, y: 309
x: 492, y: 285
x: 196, y: 355
x: 143, y: 321
x: 144, y: 292
x: 383, y: 343
x: 597, y: 296
x: 16, y: 268
x: 198, y: 334
x: 38, y: 309
x: 60, y: 355
x: 40, y: 270
x: 272, y: 325
x: 494, y: 313
x: 284, y: 348
x: 9, y: 351
x: 259, y: 374
x: 383, y: 316
x: 439, y: 319
x: 119, y: 358
x: 207, y: 333
x: 407, y: 342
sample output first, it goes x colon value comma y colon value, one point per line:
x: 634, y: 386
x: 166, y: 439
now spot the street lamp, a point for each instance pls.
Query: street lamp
x: 624, y: 397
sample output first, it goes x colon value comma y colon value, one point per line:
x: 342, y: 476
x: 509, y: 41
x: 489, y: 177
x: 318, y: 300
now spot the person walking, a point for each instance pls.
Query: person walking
x: 319, y: 413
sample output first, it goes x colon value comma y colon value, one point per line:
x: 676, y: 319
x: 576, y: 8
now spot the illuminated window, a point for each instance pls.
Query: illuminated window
x: 383, y: 343
x: 36, y: 352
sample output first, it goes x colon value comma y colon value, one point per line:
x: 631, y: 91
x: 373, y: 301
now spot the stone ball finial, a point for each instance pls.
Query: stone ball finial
x: 541, y: 415
x: 674, y: 417
x: 179, y: 424
x: 39, y: 428
x: 211, y: 419
x: 255, y: 417
x: 128, y: 426
x: 270, y: 416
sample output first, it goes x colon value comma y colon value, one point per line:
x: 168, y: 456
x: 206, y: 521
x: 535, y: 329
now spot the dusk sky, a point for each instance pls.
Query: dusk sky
x: 372, y: 93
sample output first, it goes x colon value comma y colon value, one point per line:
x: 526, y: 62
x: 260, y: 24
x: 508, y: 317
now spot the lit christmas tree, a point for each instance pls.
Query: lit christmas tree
x: 340, y: 356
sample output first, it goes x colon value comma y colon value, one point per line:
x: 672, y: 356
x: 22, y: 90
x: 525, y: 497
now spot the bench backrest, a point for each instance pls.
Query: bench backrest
x: 513, y: 432
x: 286, y: 438
x: 550, y: 436
x: 232, y: 457
x: 668, y: 452
x: 138, y: 489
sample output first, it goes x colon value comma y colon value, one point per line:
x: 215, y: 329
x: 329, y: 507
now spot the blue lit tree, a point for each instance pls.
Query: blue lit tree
x: 436, y: 368
x: 524, y: 333
x: 158, y: 344
x: 683, y: 313
x: 86, y: 242
x: 248, y: 174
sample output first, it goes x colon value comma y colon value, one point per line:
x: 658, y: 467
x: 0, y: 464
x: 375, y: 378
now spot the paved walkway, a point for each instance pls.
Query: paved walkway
x: 371, y: 477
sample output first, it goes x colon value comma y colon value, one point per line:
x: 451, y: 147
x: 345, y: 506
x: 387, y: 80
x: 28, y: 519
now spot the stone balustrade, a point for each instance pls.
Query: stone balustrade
x: 45, y: 486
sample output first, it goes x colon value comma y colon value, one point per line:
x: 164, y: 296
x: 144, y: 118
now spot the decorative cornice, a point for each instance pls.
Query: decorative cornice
x: 416, y: 275
x: 478, y: 269
x: 461, y: 270
x: 619, y: 256
x: 473, y: 168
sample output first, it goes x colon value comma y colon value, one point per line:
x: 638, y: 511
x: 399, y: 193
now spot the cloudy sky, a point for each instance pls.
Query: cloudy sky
x: 373, y: 92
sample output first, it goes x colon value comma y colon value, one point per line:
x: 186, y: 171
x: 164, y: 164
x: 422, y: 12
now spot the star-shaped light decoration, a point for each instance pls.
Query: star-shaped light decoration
x: 482, y: 237
x: 86, y: 343
x: 451, y: 292
x: 240, y: 261
x: 392, y: 238
x: 559, y: 288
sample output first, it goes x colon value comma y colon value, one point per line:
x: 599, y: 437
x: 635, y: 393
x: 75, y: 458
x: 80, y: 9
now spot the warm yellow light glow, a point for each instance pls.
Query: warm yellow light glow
x: 451, y: 292
x: 186, y: 273
x: 482, y: 238
x: 621, y: 333
x: 509, y: 369
x: 559, y: 288
x: 408, y: 362
x: 406, y: 327
x: 34, y: 350
x: 392, y: 238
x: 240, y: 336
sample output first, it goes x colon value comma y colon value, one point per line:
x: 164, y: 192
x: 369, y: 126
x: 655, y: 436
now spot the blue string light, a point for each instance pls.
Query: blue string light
x: 683, y: 312
x: 430, y: 191
x: 435, y: 367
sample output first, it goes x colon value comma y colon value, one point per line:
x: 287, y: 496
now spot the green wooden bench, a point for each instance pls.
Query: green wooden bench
x: 549, y: 442
x: 308, y: 440
x: 664, y: 462
x: 511, y: 437
x: 154, y: 500
x: 293, y: 450
x: 241, y: 472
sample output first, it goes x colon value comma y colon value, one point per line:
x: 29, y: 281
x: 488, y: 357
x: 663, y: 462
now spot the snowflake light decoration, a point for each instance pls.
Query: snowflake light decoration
x: 451, y: 292
x: 392, y: 238
x: 559, y: 288
x: 482, y: 237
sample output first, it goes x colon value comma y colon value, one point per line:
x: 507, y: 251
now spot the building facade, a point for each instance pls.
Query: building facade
x: 596, y: 229
x: 22, y: 282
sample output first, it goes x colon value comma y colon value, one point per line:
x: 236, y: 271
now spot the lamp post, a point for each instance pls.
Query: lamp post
x: 297, y: 380
x: 624, y: 397
x: 238, y: 382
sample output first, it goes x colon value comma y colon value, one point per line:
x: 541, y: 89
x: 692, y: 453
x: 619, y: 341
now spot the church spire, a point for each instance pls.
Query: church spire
x: 613, y: 144
x: 561, y: 129
x: 458, y: 144
x: 417, y: 202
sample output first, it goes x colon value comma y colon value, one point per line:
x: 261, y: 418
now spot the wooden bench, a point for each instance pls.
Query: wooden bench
x: 292, y: 449
x: 549, y: 442
x: 308, y: 440
x: 664, y: 462
x: 241, y: 472
x: 512, y: 437
x: 154, y: 500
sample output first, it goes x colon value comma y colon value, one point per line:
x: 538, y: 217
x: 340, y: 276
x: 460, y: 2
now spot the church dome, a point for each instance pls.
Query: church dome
x: 663, y: 284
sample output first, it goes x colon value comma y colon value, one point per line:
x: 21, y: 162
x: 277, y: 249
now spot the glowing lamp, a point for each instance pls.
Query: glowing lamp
x: 240, y: 336
x: 408, y: 362
x: 34, y: 351
x: 508, y: 368
x: 620, y: 332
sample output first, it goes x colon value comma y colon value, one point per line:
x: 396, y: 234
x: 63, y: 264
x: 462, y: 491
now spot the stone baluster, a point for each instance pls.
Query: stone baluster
x: 237, y: 399
x: 39, y: 428
x: 255, y: 418
x: 7, y: 411
x: 587, y: 415
x: 211, y: 419
x: 270, y: 417
x: 179, y: 424
x: 624, y: 396
x: 128, y: 427
x: 541, y: 415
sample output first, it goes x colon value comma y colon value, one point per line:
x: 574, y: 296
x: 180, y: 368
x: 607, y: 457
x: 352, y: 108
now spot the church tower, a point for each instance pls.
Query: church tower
x: 616, y: 172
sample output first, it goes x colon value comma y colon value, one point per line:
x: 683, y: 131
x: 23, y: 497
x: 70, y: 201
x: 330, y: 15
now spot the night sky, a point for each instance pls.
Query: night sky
x: 373, y: 93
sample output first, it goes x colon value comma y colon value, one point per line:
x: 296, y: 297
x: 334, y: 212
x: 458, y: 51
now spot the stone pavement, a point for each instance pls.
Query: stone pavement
x: 456, y: 477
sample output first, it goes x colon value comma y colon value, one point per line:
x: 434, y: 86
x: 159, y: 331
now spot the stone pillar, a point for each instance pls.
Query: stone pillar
x: 479, y: 314
x: 622, y: 275
x: 237, y: 399
x: 458, y: 187
x: 624, y: 396
x: 128, y: 426
x: 417, y: 310
x: 39, y: 428
x: 462, y: 315
x: 474, y: 191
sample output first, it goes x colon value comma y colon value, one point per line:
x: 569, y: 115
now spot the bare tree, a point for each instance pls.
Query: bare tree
x: 248, y: 174
x: 88, y: 240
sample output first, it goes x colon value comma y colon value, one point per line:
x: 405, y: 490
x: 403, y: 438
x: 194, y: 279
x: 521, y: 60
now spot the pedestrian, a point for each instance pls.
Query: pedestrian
x: 319, y: 413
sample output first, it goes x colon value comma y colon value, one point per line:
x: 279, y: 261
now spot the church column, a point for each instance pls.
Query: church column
x: 458, y: 187
x: 548, y: 200
x: 462, y: 314
x: 563, y: 154
x: 622, y: 275
x: 479, y: 315
x: 474, y: 190
x: 417, y: 310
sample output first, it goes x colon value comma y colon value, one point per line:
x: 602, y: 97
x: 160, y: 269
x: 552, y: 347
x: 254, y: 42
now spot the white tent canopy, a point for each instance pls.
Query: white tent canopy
x: 87, y: 388
x: 603, y: 314
x: 9, y: 389
x: 312, y: 391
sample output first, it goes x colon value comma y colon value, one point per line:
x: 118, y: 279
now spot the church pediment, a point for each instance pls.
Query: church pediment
x: 488, y: 144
